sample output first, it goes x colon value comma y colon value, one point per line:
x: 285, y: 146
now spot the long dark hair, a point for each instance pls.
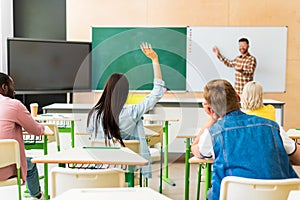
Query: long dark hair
x: 110, y: 105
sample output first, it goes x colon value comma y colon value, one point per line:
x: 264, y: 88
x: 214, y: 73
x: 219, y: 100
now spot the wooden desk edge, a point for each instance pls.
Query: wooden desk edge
x: 186, y: 136
x: 294, y: 137
x: 56, y: 119
x: 195, y: 160
x: 37, y: 160
x: 46, y: 134
x: 161, y: 120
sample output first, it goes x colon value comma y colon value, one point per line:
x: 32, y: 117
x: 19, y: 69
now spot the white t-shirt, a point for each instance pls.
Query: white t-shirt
x: 206, y: 147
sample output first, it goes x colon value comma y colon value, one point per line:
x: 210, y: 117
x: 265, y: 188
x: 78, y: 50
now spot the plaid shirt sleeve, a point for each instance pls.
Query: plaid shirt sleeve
x: 227, y: 62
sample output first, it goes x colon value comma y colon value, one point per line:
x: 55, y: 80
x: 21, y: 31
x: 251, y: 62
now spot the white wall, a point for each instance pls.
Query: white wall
x: 6, y: 30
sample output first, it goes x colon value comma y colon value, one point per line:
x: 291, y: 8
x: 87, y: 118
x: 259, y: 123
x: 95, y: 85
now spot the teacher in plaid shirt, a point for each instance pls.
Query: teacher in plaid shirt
x: 243, y: 64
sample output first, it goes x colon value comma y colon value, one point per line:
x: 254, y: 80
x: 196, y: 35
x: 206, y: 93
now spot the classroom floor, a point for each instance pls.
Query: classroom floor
x: 176, y: 173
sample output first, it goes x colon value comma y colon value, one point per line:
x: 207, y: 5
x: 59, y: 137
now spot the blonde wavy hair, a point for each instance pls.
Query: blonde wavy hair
x: 252, y: 96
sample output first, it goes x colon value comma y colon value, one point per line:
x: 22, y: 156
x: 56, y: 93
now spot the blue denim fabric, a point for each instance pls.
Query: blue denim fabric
x: 32, y: 179
x: 248, y: 146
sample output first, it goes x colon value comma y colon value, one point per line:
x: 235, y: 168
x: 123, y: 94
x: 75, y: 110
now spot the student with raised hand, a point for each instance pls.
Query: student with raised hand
x: 13, y: 117
x: 110, y: 119
x: 243, y: 145
x: 252, y: 101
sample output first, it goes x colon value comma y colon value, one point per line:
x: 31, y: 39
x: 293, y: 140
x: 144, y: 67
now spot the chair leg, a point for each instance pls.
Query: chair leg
x: 207, y: 179
x: 199, y: 181
x: 19, y: 184
x: 146, y: 182
x: 141, y: 178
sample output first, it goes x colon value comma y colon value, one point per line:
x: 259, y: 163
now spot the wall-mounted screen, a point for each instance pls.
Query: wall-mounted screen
x: 49, y: 65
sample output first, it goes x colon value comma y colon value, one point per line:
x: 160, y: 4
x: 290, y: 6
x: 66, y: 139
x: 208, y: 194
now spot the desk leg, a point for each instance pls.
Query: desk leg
x: 207, y: 179
x: 161, y: 169
x: 72, y: 134
x: 130, y: 176
x: 187, y: 168
x: 46, y: 193
x: 282, y: 114
x: 46, y: 169
x: 166, y: 152
x: 199, y: 181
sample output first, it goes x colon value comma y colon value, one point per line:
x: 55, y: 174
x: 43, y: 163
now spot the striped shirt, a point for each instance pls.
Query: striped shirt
x: 245, y: 74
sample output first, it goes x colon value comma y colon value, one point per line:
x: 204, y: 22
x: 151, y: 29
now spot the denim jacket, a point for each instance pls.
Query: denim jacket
x: 131, y: 124
x: 248, y: 146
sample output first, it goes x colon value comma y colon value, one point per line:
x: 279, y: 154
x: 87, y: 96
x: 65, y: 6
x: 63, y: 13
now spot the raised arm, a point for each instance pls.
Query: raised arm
x: 157, y: 92
x: 148, y: 51
x: 227, y: 62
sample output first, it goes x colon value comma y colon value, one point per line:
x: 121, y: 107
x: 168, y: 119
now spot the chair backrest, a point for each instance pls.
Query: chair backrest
x: 133, y: 145
x: 236, y: 188
x: 54, y: 138
x: 158, y: 128
x: 10, y: 154
x: 64, y: 179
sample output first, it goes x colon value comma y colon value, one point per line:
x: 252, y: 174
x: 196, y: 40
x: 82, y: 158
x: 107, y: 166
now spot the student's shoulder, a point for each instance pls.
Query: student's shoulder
x: 127, y: 109
x: 14, y: 102
x: 269, y: 107
x: 262, y: 120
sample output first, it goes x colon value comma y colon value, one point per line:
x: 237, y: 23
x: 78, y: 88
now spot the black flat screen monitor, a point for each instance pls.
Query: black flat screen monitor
x: 49, y: 65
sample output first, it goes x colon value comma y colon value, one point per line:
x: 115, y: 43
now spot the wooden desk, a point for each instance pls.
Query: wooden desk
x: 181, y: 102
x: 43, y: 145
x: 67, y: 126
x: 165, y: 121
x: 294, y: 134
x: 187, y: 134
x: 67, y: 108
x: 188, y: 110
x: 112, y: 194
x: 96, y: 155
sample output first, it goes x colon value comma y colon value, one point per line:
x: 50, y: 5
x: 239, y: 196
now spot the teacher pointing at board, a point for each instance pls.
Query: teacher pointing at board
x: 243, y: 64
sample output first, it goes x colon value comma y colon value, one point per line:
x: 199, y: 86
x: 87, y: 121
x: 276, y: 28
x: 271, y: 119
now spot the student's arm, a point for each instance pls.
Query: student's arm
x: 204, y: 149
x: 295, y: 157
x: 291, y: 148
x: 195, y: 149
x: 25, y: 120
x: 209, y: 122
x: 158, y: 89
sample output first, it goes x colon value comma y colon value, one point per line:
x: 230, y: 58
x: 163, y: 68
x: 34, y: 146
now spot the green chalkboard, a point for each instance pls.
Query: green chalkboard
x: 117, y: 49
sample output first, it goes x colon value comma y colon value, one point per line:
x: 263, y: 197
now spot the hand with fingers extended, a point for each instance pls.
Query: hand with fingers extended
x: 148, y: 51
x: 216, y: 51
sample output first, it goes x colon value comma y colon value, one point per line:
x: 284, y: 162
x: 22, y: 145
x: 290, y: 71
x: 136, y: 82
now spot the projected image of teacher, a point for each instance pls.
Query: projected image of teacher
x: 243, y: 64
